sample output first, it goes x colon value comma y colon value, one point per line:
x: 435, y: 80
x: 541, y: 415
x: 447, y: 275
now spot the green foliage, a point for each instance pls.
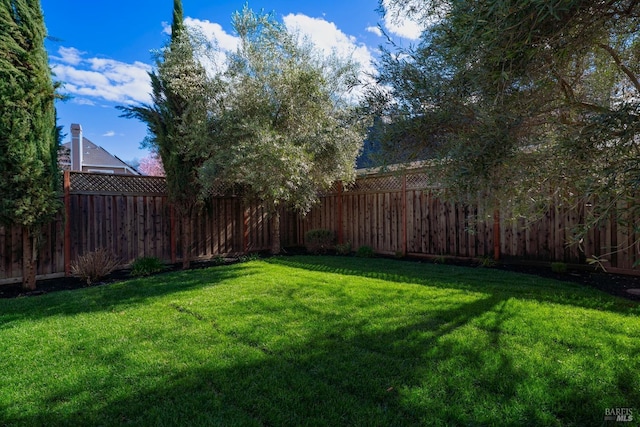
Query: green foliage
x: 146, y: 266
x: 252, y: 256
x: 440, y: 259
x: 178, y: 119
x: 487, y: 261
x: 343, y: 248
x: 287, y: 129
x: 29, y: 138
x: 365, y: 252
x: 318, y: 241
x: 95, y: 265
x: 520, y: 104
x: 558, y: 267
x: 218, y: 260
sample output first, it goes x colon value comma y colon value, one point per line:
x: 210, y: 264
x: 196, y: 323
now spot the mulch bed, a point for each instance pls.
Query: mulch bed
x: 614, y: 284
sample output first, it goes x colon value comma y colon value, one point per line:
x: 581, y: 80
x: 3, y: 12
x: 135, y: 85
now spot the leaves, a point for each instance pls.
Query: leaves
x: 29, y: 138
x: 533, y: 102
x: 285, y: 132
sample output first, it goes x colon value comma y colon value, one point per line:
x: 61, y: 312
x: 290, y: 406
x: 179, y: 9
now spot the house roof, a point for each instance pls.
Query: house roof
x: 94, y: 155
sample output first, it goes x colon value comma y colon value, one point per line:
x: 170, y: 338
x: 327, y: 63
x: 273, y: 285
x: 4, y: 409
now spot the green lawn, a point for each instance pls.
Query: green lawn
x: 332, y: 341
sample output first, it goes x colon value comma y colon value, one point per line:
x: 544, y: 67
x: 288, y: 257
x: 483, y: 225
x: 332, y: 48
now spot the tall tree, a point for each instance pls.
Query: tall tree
x: 29, y: 137
x: 177, y: 121
x: 287, y: 130
x: 533, y: 102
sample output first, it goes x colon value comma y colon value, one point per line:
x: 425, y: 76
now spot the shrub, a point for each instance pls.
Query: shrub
x: 440, y: 259
x: 558, y: 267
x: 218, y: 260
x: 94, y: 265
x: 365, y: 252
x: 318, y: 241
x: 343, y: 248
x: 252, y: 256
x: 487, y: 262
x: 146, y: 266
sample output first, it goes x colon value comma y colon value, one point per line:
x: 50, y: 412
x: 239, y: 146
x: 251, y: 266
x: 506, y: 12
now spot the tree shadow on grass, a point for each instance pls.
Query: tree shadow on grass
x: 507, y: 284
x: 436, y: 370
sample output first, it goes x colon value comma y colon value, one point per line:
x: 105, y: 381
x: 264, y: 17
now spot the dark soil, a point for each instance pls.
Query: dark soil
x: 614, y: 284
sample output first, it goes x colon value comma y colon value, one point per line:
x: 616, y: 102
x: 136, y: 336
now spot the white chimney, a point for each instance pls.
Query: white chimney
x: 76, y: 147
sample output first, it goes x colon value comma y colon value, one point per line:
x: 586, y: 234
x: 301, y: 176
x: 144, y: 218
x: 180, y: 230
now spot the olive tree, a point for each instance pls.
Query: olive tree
x: 288, y: 128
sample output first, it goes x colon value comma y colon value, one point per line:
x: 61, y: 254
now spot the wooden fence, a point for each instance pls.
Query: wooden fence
x: 395, y: 214
x: 131, y: 217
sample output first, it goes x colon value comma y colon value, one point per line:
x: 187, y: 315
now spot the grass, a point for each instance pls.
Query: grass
x: 320, y: 341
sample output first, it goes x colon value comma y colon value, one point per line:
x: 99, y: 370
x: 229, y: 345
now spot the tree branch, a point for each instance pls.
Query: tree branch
x: 624, y: 68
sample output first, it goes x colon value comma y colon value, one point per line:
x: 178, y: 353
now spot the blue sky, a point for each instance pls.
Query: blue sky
x: 102, y: 51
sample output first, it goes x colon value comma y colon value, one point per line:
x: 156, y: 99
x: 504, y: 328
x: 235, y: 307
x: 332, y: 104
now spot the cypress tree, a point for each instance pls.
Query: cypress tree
x: 29, y: 137
x: 177, y: 122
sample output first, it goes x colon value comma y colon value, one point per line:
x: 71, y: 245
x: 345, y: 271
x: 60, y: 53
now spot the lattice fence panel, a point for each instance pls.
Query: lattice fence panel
x: 419, y: 181
x: 334, y: 189
x: 117, y: 184
x: 376, y: 184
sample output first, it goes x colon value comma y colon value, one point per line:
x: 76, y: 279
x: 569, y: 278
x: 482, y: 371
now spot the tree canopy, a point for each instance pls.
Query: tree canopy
x: 178, y: 120
x: 287, y: 130
x: 29, y: 137
x: 533, y: 102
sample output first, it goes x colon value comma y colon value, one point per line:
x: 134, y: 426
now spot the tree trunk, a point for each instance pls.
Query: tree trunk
x: 275, y: 232
x: 186, y: 242
x: 29, y: 258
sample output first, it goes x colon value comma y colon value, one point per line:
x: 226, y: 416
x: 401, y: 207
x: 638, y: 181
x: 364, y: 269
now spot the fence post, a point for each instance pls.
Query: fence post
x: 404, y: 214
x: 339, y: 214
x: 245, y: 228
x: 67, y: 222
x: 496, y: 234
x: 172, y: 233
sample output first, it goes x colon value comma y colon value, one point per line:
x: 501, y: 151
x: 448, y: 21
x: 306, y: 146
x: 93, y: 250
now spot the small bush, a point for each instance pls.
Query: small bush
x: 146, y: 266
x: 558, y: 267
x: 218, y: 260
x: 487, y: 262
x: 94, y: 265
x: 343, y: 248
x: 440, y: 259
x: 253, y: 256
x: 365, y: 252
x: 318, y: 241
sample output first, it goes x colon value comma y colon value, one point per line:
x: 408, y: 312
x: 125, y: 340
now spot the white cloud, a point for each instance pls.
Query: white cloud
x: 375, y: 30
x: 100, y: 78
x: 214, y: 33
x: 109, y: 133
x: 329, y: 38
x: 69, y: 55
x: 90, y: 80
x: 83, y: 101
x: 323, y: 34
x: 399, y: 23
